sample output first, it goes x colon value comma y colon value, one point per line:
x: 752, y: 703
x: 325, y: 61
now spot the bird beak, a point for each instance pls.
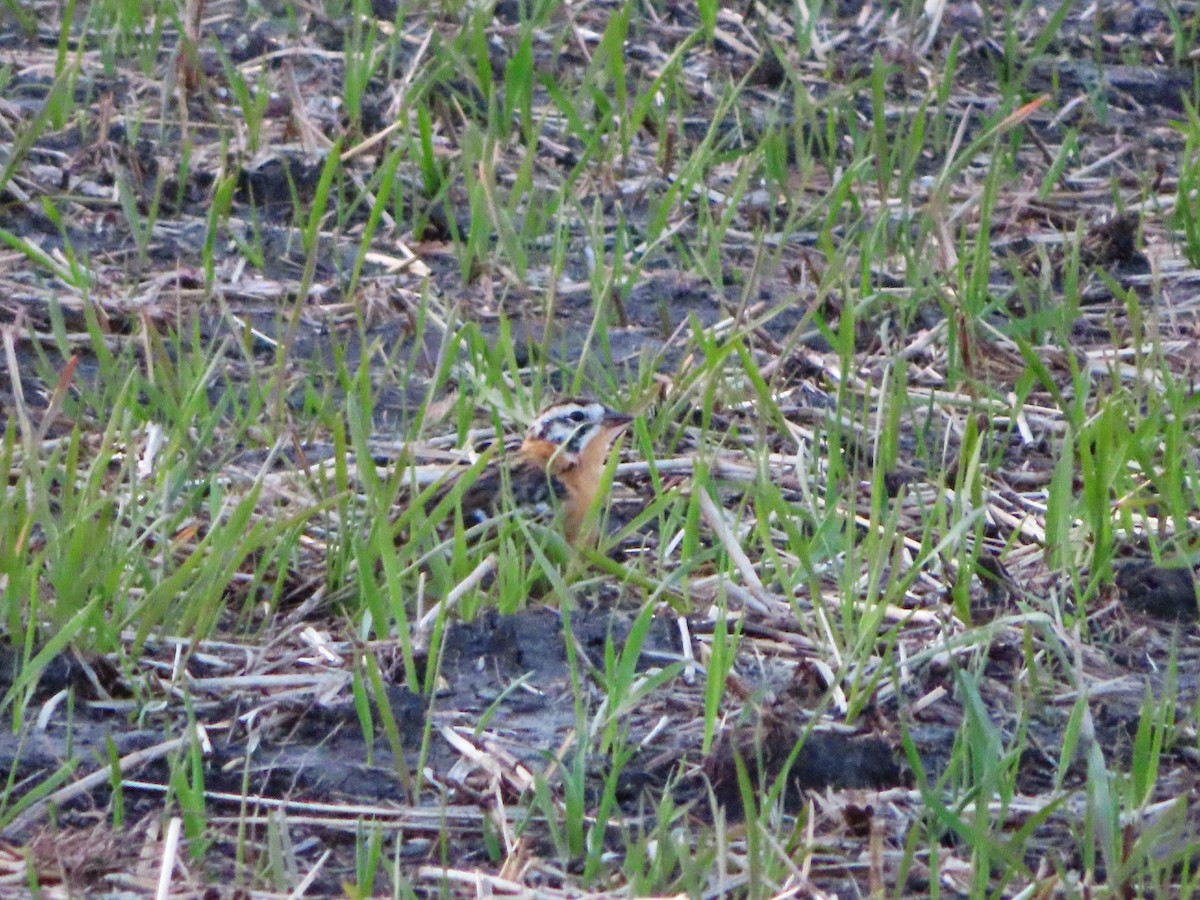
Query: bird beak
x: 615, y: 421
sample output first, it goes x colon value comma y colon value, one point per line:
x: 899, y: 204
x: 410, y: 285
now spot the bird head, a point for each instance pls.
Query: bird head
x: 572, y: 431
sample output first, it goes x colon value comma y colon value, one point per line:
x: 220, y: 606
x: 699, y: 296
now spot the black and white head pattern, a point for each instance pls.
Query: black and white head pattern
x: 570, y: 424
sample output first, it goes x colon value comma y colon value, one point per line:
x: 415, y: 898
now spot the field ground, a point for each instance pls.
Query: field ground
x: 894, y: 595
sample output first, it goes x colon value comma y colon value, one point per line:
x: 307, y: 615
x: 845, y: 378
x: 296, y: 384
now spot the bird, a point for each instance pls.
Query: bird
x: 559, y: 463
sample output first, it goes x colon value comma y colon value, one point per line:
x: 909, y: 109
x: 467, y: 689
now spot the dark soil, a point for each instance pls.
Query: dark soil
x: 505, y: 707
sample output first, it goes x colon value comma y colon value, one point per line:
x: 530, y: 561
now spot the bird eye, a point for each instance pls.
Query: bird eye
x: 578, y: 415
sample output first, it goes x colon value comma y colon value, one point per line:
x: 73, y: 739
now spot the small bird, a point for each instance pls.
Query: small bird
x: 560, y: 461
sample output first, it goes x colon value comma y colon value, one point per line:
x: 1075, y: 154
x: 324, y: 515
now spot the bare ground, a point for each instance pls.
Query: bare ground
x: 297, y: 740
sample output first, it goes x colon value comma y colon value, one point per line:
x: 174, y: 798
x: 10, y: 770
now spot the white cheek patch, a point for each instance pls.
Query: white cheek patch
x: 559, y: 431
